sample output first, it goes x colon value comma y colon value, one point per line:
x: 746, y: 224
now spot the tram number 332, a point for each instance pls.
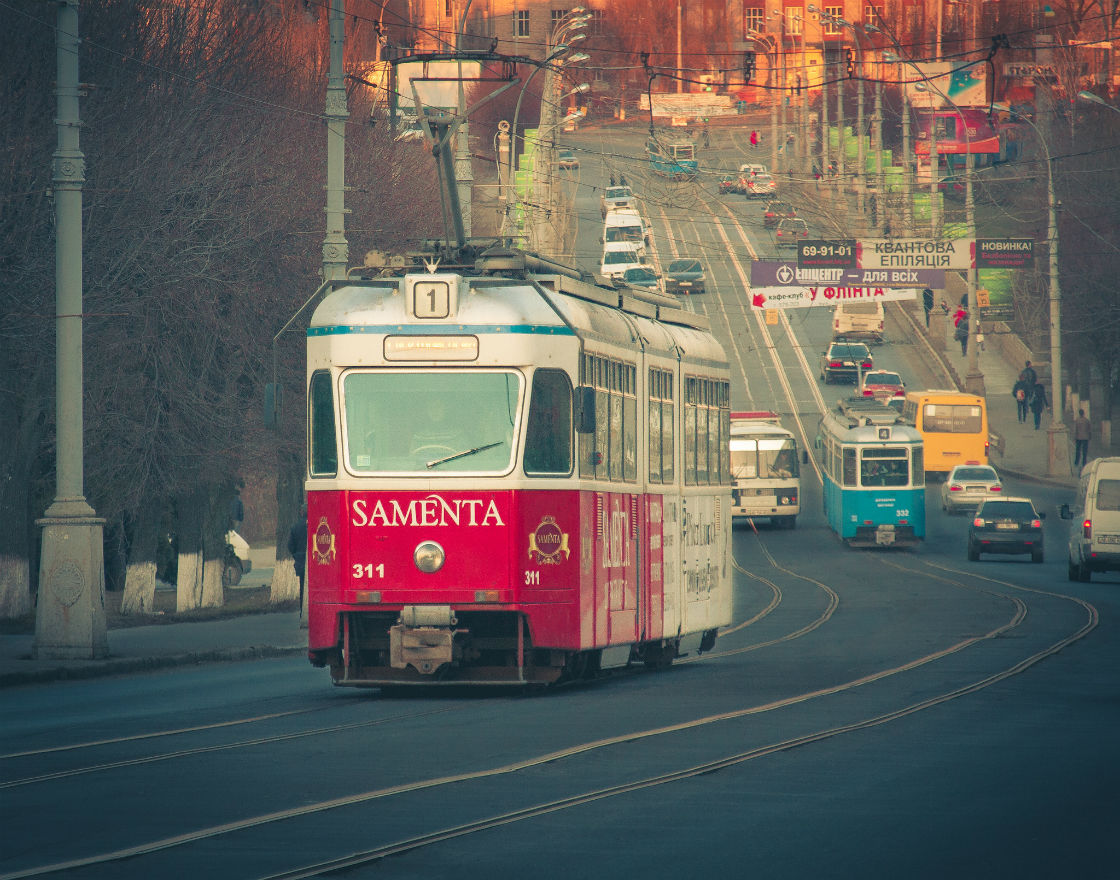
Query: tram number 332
x: 368, y: 570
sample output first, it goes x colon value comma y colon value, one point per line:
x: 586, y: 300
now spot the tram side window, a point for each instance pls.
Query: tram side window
x: 548, y: 441
x: 668, y: 417
x: 725, y: 434
x: 629, y: 423
x: 849, y: 466
x: 324, y: 448
x: 611, y: 453
x: 918, y: 469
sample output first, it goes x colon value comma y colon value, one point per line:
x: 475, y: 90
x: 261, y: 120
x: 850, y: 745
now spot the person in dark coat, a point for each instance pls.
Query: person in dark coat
x: 927, y: 303
x: 1021, y: 391
x: 1038, y: 403
x: 297, y: 546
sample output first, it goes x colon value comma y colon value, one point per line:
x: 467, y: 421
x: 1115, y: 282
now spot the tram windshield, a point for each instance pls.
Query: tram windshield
x: 430, y: 421
x: 765, y: 459
x: 885, y: 467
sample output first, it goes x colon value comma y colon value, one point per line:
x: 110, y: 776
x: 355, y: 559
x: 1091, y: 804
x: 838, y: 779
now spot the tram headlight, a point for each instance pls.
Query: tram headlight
x: 429, y: 557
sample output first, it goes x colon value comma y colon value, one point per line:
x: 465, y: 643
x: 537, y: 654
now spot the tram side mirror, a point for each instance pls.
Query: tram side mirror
x: 1064, y: 512
x: 273, y: 393
x: 585, y: 410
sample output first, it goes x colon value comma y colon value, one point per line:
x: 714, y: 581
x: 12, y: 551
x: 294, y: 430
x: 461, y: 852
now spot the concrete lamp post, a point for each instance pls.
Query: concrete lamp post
x: 1057, y: 459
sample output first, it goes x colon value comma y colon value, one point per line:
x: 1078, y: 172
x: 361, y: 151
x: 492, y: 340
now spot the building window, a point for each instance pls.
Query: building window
x: 793, y: 20
x: 447, y: 10
x: 831, y: 14
x: 754, y: 17
x: 521, y: 23
x: 557, y: 16
x: 595, y: 22
x: 872, y: 15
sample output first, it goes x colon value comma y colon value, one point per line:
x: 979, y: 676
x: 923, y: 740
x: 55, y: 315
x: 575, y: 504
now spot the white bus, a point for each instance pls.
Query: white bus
x: 765, y: 472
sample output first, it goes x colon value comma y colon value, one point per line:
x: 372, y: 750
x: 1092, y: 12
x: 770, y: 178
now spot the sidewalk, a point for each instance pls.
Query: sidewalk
x: 146, y: 648
x: 1025, y: 450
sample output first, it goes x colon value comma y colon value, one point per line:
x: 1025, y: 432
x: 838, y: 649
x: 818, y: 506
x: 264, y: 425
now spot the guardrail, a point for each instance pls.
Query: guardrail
x: 996, y: 442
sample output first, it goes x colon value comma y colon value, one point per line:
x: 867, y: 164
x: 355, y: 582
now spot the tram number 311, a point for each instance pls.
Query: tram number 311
x: 367, y: 570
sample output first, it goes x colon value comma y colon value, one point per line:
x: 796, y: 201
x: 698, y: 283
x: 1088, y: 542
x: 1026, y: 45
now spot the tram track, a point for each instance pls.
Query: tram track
x: 941, y: 573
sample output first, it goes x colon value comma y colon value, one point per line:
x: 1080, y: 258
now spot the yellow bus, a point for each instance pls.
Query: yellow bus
x: 953, y: 425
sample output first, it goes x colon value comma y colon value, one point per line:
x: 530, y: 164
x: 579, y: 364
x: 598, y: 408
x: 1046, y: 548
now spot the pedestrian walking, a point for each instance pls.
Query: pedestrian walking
x: 705, y: 137
x: 1038, y: 403
x: 1082, y: 430
x: 961, y: 334
x: 297, y: 546
x: 1028, y: 375
x: 1019, y: 391
x: 927, y: 303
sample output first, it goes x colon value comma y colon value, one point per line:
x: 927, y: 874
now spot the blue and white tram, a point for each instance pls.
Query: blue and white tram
x: 874, y: 476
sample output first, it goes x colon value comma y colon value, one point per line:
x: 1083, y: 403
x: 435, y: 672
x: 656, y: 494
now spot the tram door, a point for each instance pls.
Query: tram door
x: 618, y: 556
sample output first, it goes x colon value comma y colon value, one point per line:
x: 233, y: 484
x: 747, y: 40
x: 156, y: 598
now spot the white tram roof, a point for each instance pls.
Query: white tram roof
x: 527, y: 309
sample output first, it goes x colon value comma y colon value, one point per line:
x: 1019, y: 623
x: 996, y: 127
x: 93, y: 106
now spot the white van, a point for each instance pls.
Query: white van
x: 1094, y: 535
x: 626, y: 224
x: 618, y: 256
x: 858, y: 319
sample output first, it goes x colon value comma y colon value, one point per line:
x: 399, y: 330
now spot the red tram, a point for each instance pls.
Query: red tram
x: 512, y: 478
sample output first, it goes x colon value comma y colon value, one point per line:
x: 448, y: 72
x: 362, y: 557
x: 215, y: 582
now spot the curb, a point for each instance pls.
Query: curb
x: 126, y: 665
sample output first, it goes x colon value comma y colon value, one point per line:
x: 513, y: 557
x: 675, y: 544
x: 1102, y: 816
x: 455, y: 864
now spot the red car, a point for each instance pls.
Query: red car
x: 882, y: 384
x: 790, y: 231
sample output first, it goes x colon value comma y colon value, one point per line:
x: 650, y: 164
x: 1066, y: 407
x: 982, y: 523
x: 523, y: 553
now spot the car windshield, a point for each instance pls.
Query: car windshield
x: 639, y: 275
x: 792, y: 226
x: 765, y: 459
x: 400, y: 421
x: 882, y: 379
x: 618, y: 192
x: 614, y: 258
x: 684, y: 266
x: 985, y: 474
x: 1018, y: 510
x: 848, y: 351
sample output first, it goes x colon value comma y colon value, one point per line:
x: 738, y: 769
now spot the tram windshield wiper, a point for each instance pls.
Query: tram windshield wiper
x: 463, y: 454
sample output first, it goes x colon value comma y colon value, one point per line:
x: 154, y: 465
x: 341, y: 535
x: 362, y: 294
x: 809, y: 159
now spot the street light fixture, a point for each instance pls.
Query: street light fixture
x: 1092, y: 98
x: 1057, y: 459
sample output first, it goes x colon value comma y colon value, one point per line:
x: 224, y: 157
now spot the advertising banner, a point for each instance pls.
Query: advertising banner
x: 805, y: 297
x: 776, y: 273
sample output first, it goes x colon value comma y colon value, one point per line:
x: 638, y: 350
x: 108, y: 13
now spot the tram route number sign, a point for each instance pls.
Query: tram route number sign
x: 775, y: 273
x: 827, y: 254
x: 805, y: 297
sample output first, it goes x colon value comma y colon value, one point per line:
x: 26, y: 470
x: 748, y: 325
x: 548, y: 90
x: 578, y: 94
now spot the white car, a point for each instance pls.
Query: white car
x: 761, y: 185
x: 967, y: 485
x: 618, y: 256
x: 616, y: 197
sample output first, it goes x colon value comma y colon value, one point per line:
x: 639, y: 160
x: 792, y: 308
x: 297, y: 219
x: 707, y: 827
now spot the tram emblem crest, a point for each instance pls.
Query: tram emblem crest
x: 547, y: 542
x: 322, y: 547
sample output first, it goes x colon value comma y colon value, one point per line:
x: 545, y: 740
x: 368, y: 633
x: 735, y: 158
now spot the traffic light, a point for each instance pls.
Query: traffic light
x: 748, y: 67
x: 851, y: 66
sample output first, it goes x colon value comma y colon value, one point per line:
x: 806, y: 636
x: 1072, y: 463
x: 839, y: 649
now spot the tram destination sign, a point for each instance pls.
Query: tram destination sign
x: 775, y: 273
x: 916, y: 253
x: 827, y: 254
x: 805, y: 297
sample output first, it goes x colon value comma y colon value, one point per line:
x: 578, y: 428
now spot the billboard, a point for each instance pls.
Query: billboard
x: 963, y: 85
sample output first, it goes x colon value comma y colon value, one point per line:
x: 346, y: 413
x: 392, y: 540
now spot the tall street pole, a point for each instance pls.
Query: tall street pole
x: 336, y: 254
x: 464, y: 172
x: 680, y: 56
x: 70, y: 609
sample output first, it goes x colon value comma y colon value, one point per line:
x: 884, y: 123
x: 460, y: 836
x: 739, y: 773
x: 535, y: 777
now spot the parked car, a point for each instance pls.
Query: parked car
x: 567, y: 159
x: 1006, y: 525
x: 776, y: 212
x: 684, y: 276
x: 642, y: 276
x: 1094, y: 534
x: 882, y: 385
x: 728, y: 183
x: 967, y: 485
x: 845, y: 360
x: 761, y: 185
x: 790, y: 231
x: 616, y: 197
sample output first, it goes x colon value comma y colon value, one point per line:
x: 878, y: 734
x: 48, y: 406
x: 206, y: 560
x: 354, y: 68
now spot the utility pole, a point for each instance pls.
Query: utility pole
x: 464, y: 173
x: 70, y: 610
x: 336, y: 254
x: 680, y: 56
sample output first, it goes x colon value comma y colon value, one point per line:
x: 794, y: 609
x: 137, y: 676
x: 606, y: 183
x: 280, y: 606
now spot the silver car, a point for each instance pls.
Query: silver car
x: 968, y: 485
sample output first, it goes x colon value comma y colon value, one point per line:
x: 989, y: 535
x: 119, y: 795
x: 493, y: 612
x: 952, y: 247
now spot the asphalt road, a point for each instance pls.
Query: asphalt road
x: 872, y: 713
